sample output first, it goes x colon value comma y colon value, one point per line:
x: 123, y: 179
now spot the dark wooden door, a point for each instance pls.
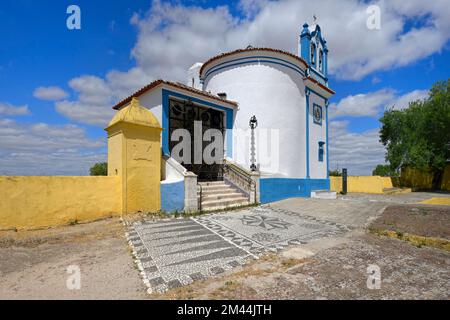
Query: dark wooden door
x: 182, y: 114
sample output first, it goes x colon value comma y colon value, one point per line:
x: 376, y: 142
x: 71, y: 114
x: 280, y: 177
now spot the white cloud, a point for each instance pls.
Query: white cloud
x: 7, y: 109
x: 359, y: 105
x: 250, y: 8
x: 50, y: 93
x: 373, y: 103
x: 33, y: 149
x: 403, y: 101
x: 171, y: 37
x: 360, y: 153
x: 177, y: 35
x: 96, y: 96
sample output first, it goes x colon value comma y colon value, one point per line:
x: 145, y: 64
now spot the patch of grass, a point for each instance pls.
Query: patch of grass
x: 418, y: 241
x: 287, y: 263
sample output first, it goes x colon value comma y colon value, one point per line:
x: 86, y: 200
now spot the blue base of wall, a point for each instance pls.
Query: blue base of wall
x: 172, y: 196
x: 274, y: 189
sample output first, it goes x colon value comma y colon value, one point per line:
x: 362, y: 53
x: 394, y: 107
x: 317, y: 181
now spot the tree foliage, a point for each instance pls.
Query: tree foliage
x: 99, y: 169
x: 383, y: 170
x: 419, y: 136
x: 335, y: 173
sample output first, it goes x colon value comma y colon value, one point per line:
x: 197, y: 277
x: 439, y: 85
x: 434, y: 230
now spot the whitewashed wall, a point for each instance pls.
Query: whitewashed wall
x: 275, y: 94
x: 317, y: 170
x: 153, y: 101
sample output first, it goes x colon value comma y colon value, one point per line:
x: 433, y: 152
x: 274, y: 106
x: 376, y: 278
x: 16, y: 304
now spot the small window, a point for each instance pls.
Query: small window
x: 321, y: 60
x: 321, y: 150
x: 313, y: 53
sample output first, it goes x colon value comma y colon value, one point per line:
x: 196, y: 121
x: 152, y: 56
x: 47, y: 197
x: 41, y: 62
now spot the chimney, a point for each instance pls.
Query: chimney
x: 222, y: 95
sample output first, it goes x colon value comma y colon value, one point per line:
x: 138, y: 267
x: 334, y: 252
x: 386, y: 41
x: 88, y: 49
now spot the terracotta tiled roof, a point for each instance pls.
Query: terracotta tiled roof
x: 177, y: 85
x: 319, y: 84
x: 222, y: 55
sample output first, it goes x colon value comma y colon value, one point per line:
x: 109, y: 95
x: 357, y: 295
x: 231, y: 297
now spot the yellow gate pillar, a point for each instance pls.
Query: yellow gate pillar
x: 134, y: 154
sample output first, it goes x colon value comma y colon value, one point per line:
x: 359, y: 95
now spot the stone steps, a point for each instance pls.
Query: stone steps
x: 220, y: 195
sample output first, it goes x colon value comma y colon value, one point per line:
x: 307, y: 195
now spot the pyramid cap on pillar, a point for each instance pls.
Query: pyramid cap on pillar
x: 134, y: 113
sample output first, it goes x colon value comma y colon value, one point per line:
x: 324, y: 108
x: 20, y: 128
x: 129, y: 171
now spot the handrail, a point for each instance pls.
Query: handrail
x: 240, y: 178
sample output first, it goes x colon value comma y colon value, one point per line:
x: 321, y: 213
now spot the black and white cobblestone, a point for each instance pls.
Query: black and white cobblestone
x: 175, y: 252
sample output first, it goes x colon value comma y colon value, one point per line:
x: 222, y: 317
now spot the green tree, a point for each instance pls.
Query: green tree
x: 99, y: 169
x: 335, y: 173
x: 419, y: 136
x: 383, y: 170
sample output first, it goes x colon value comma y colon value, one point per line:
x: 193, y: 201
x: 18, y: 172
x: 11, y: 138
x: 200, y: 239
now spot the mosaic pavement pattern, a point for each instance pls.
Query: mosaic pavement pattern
x: 174, y: 252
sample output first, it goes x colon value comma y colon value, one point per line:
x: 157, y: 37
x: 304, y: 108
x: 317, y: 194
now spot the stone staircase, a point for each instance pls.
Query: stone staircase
x: 220, y: 195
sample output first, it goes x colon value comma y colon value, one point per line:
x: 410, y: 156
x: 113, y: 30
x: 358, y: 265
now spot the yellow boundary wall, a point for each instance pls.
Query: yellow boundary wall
x: 30, y: 202
x: 363, y: 184
x: 133, y: 183
x: 417, y: 179
x: 410, y: 177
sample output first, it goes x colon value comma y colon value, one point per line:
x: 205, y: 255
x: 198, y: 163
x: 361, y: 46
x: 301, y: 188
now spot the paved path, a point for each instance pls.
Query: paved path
x: 175, y: 252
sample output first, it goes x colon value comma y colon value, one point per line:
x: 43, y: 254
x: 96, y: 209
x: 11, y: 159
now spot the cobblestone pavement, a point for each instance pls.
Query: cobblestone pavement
x: 355, y: 209
x: 175, y: 252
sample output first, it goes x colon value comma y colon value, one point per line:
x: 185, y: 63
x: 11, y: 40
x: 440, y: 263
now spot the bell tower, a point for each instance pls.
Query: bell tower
x: 313, y: 49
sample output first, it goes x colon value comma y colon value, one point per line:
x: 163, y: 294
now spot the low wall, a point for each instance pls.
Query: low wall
x: 362, y: 184
x: 445, y: 184
x: 172, y: 196
x: 29, y: 202
x: 274, y: 189
x: 417, y: 179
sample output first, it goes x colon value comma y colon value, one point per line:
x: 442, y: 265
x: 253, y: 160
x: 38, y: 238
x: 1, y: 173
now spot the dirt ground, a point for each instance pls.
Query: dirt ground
x: 338, y: 272
x: 428, y: 221
x: 33, y: 264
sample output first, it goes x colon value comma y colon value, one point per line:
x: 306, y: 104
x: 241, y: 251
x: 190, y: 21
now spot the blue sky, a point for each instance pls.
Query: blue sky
x: 125, y: 44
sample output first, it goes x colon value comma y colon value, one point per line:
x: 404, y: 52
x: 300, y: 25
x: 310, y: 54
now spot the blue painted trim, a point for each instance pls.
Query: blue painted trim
x: 214, y: 69
x: 250, y: 57
x: 316, y: 93
x: 165, y: 118
x: 165, y: 122
x: 307, y: 131
x: 305, y: 42
x: 274, y: 189
x: 172, y: 196
x: 320, y: 75
x: 321, y: 39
